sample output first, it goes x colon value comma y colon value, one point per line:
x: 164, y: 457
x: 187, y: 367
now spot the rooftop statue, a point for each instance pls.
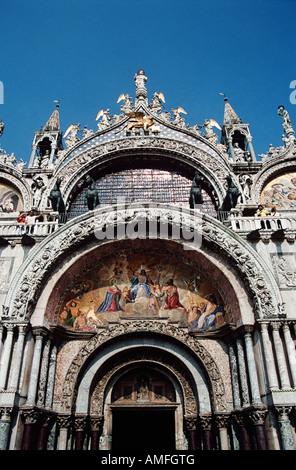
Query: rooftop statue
x: 287, y: 125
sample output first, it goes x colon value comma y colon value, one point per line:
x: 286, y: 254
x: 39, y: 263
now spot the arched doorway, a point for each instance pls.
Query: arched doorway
x: 143, y: 408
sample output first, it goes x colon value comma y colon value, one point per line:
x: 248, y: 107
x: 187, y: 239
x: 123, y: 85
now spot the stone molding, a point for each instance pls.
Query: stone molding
x: 118, y: 330
x: 213, y: 168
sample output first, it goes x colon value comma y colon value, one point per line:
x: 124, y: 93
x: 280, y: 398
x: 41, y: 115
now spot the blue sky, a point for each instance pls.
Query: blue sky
x: 86, y: 53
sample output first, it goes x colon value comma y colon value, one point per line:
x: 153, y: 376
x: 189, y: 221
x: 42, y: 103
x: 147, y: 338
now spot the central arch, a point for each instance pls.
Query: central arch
x: 196, y: 386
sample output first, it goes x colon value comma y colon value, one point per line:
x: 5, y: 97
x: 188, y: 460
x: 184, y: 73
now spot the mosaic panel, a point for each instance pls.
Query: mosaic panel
x: 142, y: 286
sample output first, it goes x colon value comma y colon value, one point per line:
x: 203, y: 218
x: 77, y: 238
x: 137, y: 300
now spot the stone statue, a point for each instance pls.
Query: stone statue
x: 232, y: 195
x: 239, y: 153
x: 56, y: 199
x: 91, y: 194
x: 38, y: 187
x: 196, y: 196
x: 287, y: 125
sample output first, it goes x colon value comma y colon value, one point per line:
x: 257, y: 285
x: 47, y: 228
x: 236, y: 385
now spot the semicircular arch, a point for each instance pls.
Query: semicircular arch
x: 30, y: 280
x: 183, y: 157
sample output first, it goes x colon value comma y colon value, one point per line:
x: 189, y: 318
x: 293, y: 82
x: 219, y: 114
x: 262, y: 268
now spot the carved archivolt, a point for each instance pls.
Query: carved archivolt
x: 202, y: 355
x: 31, y: 278
x: 213, y: 166
x: 144, y: 357
x: 18, y: 183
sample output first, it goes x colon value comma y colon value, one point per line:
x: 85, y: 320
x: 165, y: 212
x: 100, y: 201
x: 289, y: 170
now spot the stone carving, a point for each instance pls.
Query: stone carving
x: 71, y: 133
x: 97, y: 398
x: 179, y: 121
x: 105, y: 121
x: 287, y: 125
x: 149, y: 326
x: 156, y: 105
x: 210, y: 135
x: 127, y: 106
x: 239, y: 153
x: 246, y: 184
x: 286, y: 271
x: 38, y: 186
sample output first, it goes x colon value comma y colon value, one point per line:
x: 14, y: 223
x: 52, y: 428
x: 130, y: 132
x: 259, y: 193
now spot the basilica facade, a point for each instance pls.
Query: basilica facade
x: 148, y: 284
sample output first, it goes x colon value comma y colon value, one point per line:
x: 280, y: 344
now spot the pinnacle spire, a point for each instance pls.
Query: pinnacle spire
x: 53, y: 123
x: 230, y: 116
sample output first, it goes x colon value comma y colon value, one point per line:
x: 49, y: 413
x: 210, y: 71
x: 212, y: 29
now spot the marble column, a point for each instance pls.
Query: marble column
x: 280, y: 356
x: 33, y: 383
x: 244, y: 435
x: 17, y: 361
x: 43, y: 374
x: 234, y: 376
x: 190, y: 425
x: 222, y: 425
x: 96, y: 424
x: 268, y: 357
x: 258, y: 417
x: 30, y: 419
x: 6, y: 356
x: 291, y: 352
x: 254, y: 384
x: 206, y: 425
x: 80, y: 427
x: 285, y: 427
x: 5, y: 428
x: 64, y: 423
x: 51, y: 377
x: 242, y: 373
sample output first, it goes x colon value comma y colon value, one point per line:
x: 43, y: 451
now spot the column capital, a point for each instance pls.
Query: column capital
x: 206, y: 421
x: 64, y: 421
x: 96, y: 423
x: 283, y: 412
x: 40, y: 332
x: 30, y: 415
x: 190, y: 423
x: 80, y: 422
x: 222, y: 420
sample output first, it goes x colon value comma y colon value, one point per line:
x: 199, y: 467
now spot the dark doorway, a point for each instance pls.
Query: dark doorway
x: 143, y: 429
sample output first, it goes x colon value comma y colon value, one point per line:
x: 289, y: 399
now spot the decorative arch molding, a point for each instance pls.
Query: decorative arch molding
x: 156, y: 360
x: 213, y: 167
x: 14, y: 178
x: 31, y: 278
x: 271, y: 170
x: 162, y: 332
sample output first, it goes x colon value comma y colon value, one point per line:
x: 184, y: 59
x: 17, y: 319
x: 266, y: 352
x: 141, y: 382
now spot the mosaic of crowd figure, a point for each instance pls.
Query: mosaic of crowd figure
x: 142, y: 288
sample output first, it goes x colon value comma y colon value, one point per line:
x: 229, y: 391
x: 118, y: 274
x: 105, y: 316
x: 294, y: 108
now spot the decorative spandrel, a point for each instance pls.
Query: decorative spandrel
x: 141, y: 286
